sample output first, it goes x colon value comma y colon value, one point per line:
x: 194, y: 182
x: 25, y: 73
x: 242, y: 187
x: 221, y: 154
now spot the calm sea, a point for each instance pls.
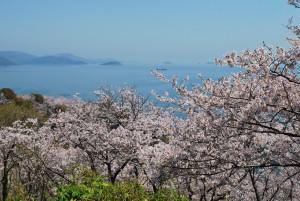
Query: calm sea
x: 65, y: 81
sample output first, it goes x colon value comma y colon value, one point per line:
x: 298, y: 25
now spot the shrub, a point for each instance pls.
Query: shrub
x: 23, y: 103
x: 8, y: 93
x: 61, y: 108
x: 21, y: 110
x: 94, y: 187
x: 39, y: 98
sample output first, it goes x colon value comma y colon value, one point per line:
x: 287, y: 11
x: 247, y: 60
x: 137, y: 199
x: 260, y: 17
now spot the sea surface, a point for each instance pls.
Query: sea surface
x: 67, y: 80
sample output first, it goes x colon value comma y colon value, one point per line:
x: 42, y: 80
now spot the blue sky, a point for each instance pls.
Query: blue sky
x: 147, y: 31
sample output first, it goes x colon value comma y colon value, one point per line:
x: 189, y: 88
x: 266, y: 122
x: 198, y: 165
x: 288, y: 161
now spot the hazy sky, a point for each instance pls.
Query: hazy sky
x: 182, y: 31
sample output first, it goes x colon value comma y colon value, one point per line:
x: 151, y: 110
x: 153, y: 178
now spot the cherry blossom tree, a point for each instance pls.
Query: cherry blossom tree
x: 237, y: 140
x: 16, y: 145
x: 241, y: 137
x: 121, y: 135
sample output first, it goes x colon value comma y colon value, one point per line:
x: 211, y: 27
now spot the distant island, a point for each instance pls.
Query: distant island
x: 16, y: 56
x: 112, y: 63
x: 167, y: 62
x: 6, y: 62
x: 56, y: 60
x: 11, y: 58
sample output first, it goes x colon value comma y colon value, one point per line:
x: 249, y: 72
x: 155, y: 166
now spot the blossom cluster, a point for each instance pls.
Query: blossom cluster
x: 238, y: 140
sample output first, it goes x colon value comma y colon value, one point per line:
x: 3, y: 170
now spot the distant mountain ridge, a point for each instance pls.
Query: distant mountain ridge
x: 77, y: 58
x: 16, y: 56
x: 73, y: 57
x: 6, y: 62
x: 57, y: 60
x: 19, y: 58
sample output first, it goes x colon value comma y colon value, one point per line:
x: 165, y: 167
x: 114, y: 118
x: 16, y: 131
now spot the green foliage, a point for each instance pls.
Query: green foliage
x: 164, y: 139
x: 93, y: 187
x: 24, y: 103
x: 39, y: 98
x: 8, y: 93
x: 59, y: 108
x: 19, y: 110
x: 18, y: 194
x: 21, y: 191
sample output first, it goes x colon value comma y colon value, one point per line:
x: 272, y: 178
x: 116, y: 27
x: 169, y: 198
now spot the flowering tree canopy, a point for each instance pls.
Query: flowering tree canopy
x: 242, y: 134
x: 239, y: 138
x: 118, y: 136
